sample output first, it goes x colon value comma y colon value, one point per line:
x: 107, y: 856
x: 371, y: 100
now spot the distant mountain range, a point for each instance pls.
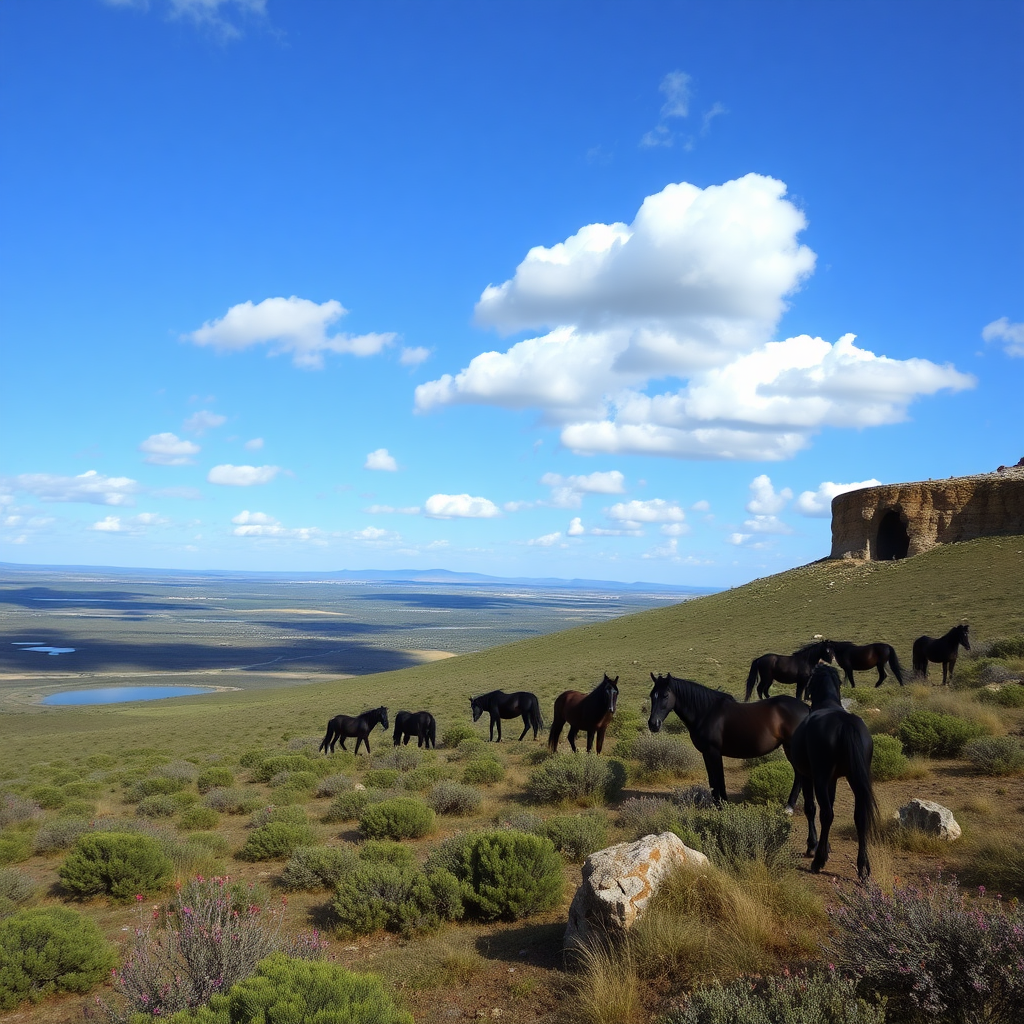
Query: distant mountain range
x: 417, y: 576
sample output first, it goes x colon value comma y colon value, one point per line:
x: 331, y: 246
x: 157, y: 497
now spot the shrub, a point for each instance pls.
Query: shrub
x: 301, y: 993
x: 332, y: 785
x: 313, y: 868
x: 253, y: 758
x: 299, y: 781
x: 50, y: 798
x: 15, y: 809
x: 16, y: 889
x: 152, y: 787
x: 735, y: 833
x: 504, y: 874
x: 398, y: 897
x: 403, y: 758
x: 1010, y: 647
x: 888, y: 761
x: 699, y: 796
x: 425, y: 776
x: 769, y: 782
x: 579, y: 779
x: 400, y: 818
x: 455, y: 799
x: 15, y: 846
x: 183, y: 770
x: 659, y: 754
x: 115, y: 863
x: 386, y: 851
x: 1009, y: 696
x: 213, y: 937
x: 215, y: 777
x: 156, y: 807
x: 213, y: 841
x: 997, y: 863
x: 288, y: 814
x: 521, y: 821
x: 269, y: 767
x: 996, y: 755
x: 381, y: 778
x: 936, y: 735
x: 648, y: 815
x: 276, y: 840
x: 198, y: 818
x: 468, y: 748
x: 824, y: 998
x: 455, y: 734
x: 83, y: 790
x: 51, y: 949
x: 934, y: 953
x: 482, y: 771
x: 347, y: 806
x: 232, y: 800
x: 576, y: 836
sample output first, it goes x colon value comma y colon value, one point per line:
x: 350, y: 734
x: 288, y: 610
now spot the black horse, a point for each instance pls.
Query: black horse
x: 343, y: 727
x: 787, y: 668
x: 849, y: 657
x: 420, y: 724
x: 499, y: 705
x: 829, y: 744
x: 590, y: 711
x: 720, y: 726
x: 944, y: 649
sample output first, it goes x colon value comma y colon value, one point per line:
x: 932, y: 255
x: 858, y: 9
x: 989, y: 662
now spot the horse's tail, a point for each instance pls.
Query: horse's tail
x: 894, y: 664
x: 752, y: 678
x: 327, y: 737
x: 536, y: 720
x: 432, y: 731
x: 920, y: 658
x: 398, y: 733
x: 859, y: 777
x: 556, y: 727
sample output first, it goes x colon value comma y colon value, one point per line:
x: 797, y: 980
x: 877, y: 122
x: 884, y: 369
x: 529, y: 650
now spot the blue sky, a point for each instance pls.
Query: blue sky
x: 619, y: 291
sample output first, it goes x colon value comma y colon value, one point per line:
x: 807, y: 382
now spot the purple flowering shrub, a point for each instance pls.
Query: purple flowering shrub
x: 201, y: 945
x: 934, y: 953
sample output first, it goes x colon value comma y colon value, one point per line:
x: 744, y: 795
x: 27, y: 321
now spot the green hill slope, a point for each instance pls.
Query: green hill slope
x: 711, y: 639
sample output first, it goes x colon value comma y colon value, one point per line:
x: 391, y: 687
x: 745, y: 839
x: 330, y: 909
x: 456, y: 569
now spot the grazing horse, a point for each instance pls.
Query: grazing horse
x: 944, y: 649
x: 342, y: 727
x: 829, y: 744
x: 792, y: 668
x: 850, y: 656
x: 418, y: 723
x: 720, y: 726
x: 591, y: 711
x: 499, y: 705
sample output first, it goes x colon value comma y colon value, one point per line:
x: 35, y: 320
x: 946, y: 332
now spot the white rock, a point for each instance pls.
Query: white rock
x: 930, y: 817
x: 619, y: 882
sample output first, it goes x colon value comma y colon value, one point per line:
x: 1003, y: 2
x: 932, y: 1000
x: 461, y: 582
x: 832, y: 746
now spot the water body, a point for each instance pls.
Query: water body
x: 47, y: 650
x: 123, y: 694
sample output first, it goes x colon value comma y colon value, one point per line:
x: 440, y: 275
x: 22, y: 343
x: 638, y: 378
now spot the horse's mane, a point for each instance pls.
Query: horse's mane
x: 703, y: 696
x: 806, y: 650
x: 825, y: 678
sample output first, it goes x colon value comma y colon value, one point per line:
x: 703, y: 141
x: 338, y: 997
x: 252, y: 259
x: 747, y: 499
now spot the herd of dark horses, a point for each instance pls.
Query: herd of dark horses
x: 823, y: 742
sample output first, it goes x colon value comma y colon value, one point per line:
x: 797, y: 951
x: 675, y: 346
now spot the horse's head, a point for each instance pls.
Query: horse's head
x: 662, y: 701
x: 476, y: 707
x: 610, y: 688
x: 828, y: 652
x: 383, y: 712
x: 824, y: 686
x: 962, y: 636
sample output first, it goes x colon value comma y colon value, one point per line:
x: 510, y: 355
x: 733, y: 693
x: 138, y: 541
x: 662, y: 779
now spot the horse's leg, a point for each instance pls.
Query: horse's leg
x: 490, y: 738
x: 860, y: 819
x: 848, y: 672
x: 498, y: 719
x: 572, y: 737
x: 343, y: 747
x: 797, y: 786
x: 881, y: 674
x: 823, y: 789
x: 809, y: 811
x: 716, y: 776
x: 600, y: 740
x: 526, y: 726
x: 590, y: 739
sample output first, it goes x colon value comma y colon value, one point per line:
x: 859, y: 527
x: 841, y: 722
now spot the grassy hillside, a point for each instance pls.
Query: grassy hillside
x: 711, y: 639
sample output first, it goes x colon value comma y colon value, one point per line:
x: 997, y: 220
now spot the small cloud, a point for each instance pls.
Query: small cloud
x: 150, y: 519
x: 112, y: 524
x: 518, y: 506
x: 717, y: 109
x: 459, y: 506
x: 676, y: 87
x: 660, y: 135
x: 371, y: 533
x: 200, y: 422
x: 657, y: 510
x: 259, y: 524
x: 818, y: 504
x: 576, y: 528
x: 414, y: 356
x: 675, y: 529
x: 254, y: 444
x: 380, y: 459
x: 568, y: 491
x: 701, y: 506
x: 1011, y: 334
x: 411, y: 510
x: 669, y: 550
x: 766, y: 524
x: 90, y: 487
x: 168, y: 449
x: 546, y: 541
x: 764, y: 499
x: 242, y: 476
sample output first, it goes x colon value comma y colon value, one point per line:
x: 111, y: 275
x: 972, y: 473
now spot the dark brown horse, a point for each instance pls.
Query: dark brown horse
x: 849, y: 657
x: 342, y: 727
x: 787, y: 668
x: 590, y: 711
x: 720, y: 726
x: 830, y: 744
x: 944, y: 649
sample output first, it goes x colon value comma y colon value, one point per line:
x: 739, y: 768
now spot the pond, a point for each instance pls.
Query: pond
x: 123, y: 694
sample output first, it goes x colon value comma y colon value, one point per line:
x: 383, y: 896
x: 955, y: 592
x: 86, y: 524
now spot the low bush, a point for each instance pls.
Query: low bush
x: 51, y: 949
x: 1010, y: 695
x: 888, y: 761
x: 156, y: 786
x: 253, y: 758
x: 312, y: 868
x: 455, y: 799
x: 83, y: 790
x: 425, y: 776
x: 455, y: 734
x: 183, y: 770
x: 503, y: 874
x: 735, y: 833
x: 299, y: 784
x: 156, y: 807
x: 659, y: 754
x: 195, y: 818
x: 1009, y: 647
x: 936, y: 735
x: 576, y: 836
x: 347, y: 806
x: 289, y: 814
x: 212, y: 841
x: 403, y: 758
x: 648, y: 815
x: 50, y: 798
x: 15, y: 809
x: 215, y: 777
x: 266, y: 769
x: 232, y: 800
x: 468, y: 748
x: 300, y: 992
x: 276, y: 840
x: 16, y: 889
x: 520, y: 821
x: 15, y: 846
x: 386, y: 851
x: 59, y: 834
x: 332, y: 785
x: 482, y: 771
x: 823, y: 998
x: 996, y: 864
x: 381, y: 778
x: 931, y: 951
x: 996, y: 755
x: 116, y: 864
x: 769, y: 783
x: 580, y: 779
x: 400, y: 818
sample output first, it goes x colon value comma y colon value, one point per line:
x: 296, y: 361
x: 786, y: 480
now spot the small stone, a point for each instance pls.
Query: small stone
x: 929, y: 817
x: 359, y: 787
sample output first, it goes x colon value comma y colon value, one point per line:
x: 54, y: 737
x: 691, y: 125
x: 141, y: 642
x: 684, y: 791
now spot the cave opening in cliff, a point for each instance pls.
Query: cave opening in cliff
x: 893, y: 539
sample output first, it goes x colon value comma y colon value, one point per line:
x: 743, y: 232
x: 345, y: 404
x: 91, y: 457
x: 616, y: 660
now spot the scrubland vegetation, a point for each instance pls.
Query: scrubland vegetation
x: 214, y: 843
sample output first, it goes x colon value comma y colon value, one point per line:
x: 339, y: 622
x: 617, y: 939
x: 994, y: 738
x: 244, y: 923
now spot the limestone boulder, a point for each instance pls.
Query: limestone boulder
x: 619, y: 882
x: 929, y: 817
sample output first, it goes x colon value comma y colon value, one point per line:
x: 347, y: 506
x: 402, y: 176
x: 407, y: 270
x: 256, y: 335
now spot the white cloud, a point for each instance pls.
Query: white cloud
x: 568, y: 491
x: 259, y: 524
x: 576, y: 528
x: 200, y: 422
x: 701, y: 506
x: 293, y: 325
x: 254, y: 444
x: 459, y: 506
x: 372, y: 533
x: 766, y: 524
x: 168, y: 450
x: 247, y: 518
x: 693, y: 289
x: 627, y: 530
x: 135, y: 524
x: 716, y: 110
x: 764, y: 499
x: 90, y: 487
x: 414, y: 356
x: 112, y: 524
x: 150, y: 519
x: 676, y: 88
x: 675, y: 529
x: 213, y: 15
x: 1011, y: 334
x: 546, y: 541
x: 669, y: 550
x: 657, y: 510
x: 380, y: 459
x: 242, y: 476
x: 411, y: 510
x: 738, y: 538
x: 819, y: 503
